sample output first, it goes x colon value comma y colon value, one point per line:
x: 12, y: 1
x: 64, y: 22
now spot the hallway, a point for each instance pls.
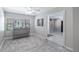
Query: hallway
x: 45, y: 22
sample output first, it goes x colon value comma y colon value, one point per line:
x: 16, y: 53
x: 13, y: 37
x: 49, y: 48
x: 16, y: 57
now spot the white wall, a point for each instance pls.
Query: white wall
x: 1, y: 25
x: 1, y: 20
x: 68, y: 28
x: 41, y: 31
x: 32, y: 24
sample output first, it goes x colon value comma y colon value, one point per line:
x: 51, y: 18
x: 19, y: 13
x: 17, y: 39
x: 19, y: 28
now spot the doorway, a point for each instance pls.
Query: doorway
x: 56, y: 30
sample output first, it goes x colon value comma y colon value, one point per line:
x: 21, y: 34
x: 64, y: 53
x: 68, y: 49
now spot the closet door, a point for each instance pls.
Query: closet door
x: 8, y: 33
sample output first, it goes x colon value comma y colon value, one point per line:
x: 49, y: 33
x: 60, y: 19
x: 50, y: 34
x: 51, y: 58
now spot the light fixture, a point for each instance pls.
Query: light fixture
x: 32, y: 10
x: 29, y: 8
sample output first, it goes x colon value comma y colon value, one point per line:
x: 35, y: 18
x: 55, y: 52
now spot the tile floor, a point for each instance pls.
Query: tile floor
x: 31, y: 44
x: 57, y: 38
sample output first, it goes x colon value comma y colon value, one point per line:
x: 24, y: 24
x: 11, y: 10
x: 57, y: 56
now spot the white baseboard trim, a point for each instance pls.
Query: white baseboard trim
x: 68, y: 48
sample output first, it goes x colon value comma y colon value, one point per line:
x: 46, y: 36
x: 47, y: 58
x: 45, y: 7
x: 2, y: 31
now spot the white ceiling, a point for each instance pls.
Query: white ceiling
x: 29, y: 10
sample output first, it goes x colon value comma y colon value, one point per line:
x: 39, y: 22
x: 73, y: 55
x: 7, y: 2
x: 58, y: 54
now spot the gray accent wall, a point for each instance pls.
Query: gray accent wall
x: 76, y: 29
x: 72, y: 28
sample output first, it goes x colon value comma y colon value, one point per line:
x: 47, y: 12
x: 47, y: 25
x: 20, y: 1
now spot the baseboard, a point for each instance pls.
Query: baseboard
x: 68, y: 48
